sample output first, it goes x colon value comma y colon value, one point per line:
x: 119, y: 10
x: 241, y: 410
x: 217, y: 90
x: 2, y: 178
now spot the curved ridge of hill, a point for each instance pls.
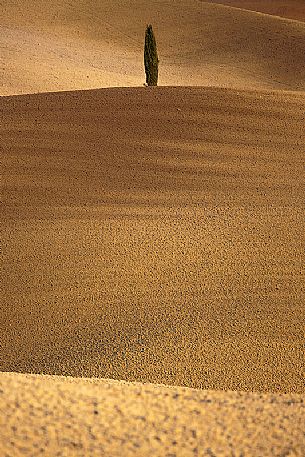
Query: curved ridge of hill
x: 155, y: 234
x: 80, y: 44
x: 291, y: 9
x: 78, y: 417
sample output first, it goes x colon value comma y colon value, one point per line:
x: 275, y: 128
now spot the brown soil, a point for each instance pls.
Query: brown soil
x: 73, y: 45
x: 291, y: 9
x: 155, y: 235
x: 76, y: 418
x: 152, y: 234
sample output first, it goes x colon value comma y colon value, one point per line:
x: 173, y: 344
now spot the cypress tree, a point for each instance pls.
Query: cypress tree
x: 151, y: 61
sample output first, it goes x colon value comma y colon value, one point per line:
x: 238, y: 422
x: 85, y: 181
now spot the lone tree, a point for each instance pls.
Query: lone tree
x: 151, y: 61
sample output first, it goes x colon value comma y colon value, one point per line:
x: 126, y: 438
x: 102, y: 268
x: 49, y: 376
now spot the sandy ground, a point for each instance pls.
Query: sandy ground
x: 155, y: 235
x: 80, y: 44
x: 291, y: 9
x: 72, y: 417
x: 152, y: 235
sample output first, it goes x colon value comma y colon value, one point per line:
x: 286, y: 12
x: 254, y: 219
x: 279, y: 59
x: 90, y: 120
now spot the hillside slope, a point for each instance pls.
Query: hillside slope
x: 78, y: 417
x: 291, y: 9
x: 81, y: 44
x: 155, y: 235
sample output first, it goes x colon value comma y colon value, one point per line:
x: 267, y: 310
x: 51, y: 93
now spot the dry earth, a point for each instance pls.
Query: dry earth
x: 79, y: 44
x: 54, y: 416
x: 291, y: 9
x: 155, y: 235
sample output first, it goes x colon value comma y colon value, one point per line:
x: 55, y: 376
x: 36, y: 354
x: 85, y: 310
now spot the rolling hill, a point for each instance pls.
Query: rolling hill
x: 77, y: 417
x: 68, y: 45
x: 155, y: 235
x: 292, y: 9
x: 152, y: 236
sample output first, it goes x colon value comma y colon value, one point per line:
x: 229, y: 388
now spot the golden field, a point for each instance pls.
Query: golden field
x: 77, y: 417
x: 292, y: 9
x: 152, y: 235
x: 84, y: 44
x: 155, y: 235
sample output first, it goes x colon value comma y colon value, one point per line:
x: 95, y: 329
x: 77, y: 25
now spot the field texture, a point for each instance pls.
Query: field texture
x: 155, y: 235
x: 83, y: 44
x: 82, y: 417
x: 291, y: 9
x: 152, y: 295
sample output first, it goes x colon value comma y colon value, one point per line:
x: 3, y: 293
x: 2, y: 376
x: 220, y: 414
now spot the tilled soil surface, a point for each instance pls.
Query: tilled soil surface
x: 292, y: 9
x: 84, y: 44
x: 155, y: 235
x: 54, y: 416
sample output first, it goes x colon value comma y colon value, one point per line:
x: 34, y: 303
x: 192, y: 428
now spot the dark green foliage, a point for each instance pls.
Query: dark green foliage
x: 151, y: 61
